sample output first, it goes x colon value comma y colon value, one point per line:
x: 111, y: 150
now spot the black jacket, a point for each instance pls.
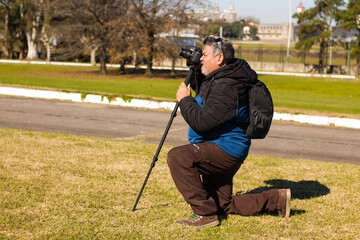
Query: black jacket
x: 219, y: 110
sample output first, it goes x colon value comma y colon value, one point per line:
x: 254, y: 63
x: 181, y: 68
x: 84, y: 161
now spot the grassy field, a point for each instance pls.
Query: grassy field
x: 87, y: 79
x: 335, y: 97
x: 58, y: 186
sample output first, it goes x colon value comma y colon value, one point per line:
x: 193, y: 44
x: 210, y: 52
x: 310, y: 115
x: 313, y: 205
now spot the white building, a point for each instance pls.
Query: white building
x: 229, y: 14
x: 278, y: 32
x: 214, y: 13
x: 274, y: 32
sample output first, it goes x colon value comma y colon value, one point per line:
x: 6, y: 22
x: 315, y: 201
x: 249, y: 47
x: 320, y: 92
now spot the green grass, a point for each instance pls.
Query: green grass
x: 337, y: 97
x: 86, y: 79
x: 315, y: 94
x: 58, y: 186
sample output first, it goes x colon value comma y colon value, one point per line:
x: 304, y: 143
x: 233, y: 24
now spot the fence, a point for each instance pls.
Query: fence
x: 272, y: 57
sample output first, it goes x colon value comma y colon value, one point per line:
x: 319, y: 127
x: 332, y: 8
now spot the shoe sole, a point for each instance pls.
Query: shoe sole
x: 207, y: 225
x: 210, y: 224
x: 288, y: 198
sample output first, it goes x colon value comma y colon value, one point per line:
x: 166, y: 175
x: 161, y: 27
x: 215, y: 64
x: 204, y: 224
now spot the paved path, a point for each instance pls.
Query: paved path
x: 284, y: 140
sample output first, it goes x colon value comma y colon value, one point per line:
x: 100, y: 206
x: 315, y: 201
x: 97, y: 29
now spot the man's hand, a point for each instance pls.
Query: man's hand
x: 183, y: 91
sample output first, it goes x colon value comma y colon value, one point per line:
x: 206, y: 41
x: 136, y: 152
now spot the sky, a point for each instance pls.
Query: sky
x: 267, y: 11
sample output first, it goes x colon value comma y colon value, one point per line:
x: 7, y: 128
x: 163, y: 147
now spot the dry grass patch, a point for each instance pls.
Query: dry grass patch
x: 62, y: 186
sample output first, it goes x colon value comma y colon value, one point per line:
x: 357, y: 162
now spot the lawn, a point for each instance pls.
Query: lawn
x: 87, y: 79
x: 59, y: 186
x: 324, y: 95
x: 335, y: 97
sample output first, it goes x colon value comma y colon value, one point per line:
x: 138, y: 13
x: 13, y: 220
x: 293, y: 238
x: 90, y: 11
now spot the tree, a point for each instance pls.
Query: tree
x: 210, y: 28
x: 31, y: 18
x: 315, y: 27
x: 90, y: 24
x: 48, y: 33
x: 148, y: 21
x: 349, y: 19
x: 181, y: 18
x: 151, y: 18
x: 13, y: 31
x: 230, y: 30
x: 253, y: 32
x: 123, y: 46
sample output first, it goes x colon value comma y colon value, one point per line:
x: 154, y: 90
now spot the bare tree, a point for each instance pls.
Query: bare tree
x: 124, y: 46
x: 31, y: 17
x: 91, y: 24
x: 48, y: 33
x: 152, y: 17
x: 181, y: 20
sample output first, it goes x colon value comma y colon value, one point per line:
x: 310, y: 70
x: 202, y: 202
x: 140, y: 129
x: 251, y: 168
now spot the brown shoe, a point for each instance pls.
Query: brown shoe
x: 284, y: 202
x: 201, y: 221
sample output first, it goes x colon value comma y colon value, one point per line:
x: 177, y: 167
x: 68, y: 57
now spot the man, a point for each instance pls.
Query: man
x: 203, y: 170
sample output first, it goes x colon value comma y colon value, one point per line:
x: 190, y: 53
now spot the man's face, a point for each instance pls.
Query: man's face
x: 209, y: 63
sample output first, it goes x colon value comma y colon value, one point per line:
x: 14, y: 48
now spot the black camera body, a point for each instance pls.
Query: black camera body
x: 193, y: 56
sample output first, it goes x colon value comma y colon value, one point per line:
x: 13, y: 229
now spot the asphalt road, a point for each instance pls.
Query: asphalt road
x: 284, y: 140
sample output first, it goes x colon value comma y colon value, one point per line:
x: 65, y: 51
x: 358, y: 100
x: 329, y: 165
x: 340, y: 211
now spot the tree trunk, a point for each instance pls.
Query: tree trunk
x: 6, y: 46
x: 148, y: 72
x: 23, y: 39
x: 321, y: 55
x: 149, y: 55
x: 4, y: 51
x: 93, y: 56
x: 136, y: 61
x: 22, y: 46
x: 32, y: 50
x: 122, y: 67
x: 102, y: 54
x: 48, y: 52
x: 173, y: 66
x: 31, y: 41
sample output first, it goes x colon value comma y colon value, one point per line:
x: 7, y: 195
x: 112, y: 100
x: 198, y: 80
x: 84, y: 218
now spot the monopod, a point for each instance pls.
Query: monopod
x: 173, y: 115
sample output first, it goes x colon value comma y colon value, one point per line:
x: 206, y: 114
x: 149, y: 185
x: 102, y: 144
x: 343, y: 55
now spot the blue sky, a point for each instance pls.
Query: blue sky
x: 267, y: 11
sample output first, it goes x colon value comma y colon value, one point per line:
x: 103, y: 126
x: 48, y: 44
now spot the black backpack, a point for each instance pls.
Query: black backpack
x: 261, y: 110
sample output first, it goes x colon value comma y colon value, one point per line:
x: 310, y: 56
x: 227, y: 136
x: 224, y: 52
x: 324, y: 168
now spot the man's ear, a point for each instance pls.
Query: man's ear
x: 220, y: 60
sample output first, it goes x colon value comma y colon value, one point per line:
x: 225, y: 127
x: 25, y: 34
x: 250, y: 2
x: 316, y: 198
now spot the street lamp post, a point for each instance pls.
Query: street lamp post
x: 289, y: 35
x: 221, y: 27
x: 330, y: 48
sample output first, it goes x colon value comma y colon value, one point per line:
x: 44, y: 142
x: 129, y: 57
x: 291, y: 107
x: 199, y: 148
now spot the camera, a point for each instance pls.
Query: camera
x: 193, y: 56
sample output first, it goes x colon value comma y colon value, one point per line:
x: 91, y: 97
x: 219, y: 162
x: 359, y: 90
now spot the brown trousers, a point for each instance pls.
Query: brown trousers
x: 203, y: 174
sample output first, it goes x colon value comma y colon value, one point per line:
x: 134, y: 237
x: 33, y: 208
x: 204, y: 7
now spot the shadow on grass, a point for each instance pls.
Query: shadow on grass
x: 299, y: 190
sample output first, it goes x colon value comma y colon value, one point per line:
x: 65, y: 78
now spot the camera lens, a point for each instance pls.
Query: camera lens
x: 186, y: 53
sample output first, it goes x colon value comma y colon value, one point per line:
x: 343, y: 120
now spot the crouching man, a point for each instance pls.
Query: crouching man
x: 203, y: 170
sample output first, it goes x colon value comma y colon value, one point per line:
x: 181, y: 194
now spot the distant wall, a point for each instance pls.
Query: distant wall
x: 300, y: 67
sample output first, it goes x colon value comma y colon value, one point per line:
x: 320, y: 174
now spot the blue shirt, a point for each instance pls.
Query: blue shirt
x: 229, y: 136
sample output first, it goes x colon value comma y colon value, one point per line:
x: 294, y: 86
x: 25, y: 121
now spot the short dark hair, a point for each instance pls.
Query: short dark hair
x: 220, y: 45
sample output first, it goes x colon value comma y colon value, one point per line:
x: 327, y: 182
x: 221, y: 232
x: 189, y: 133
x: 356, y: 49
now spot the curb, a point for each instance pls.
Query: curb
x: 129, y: 102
